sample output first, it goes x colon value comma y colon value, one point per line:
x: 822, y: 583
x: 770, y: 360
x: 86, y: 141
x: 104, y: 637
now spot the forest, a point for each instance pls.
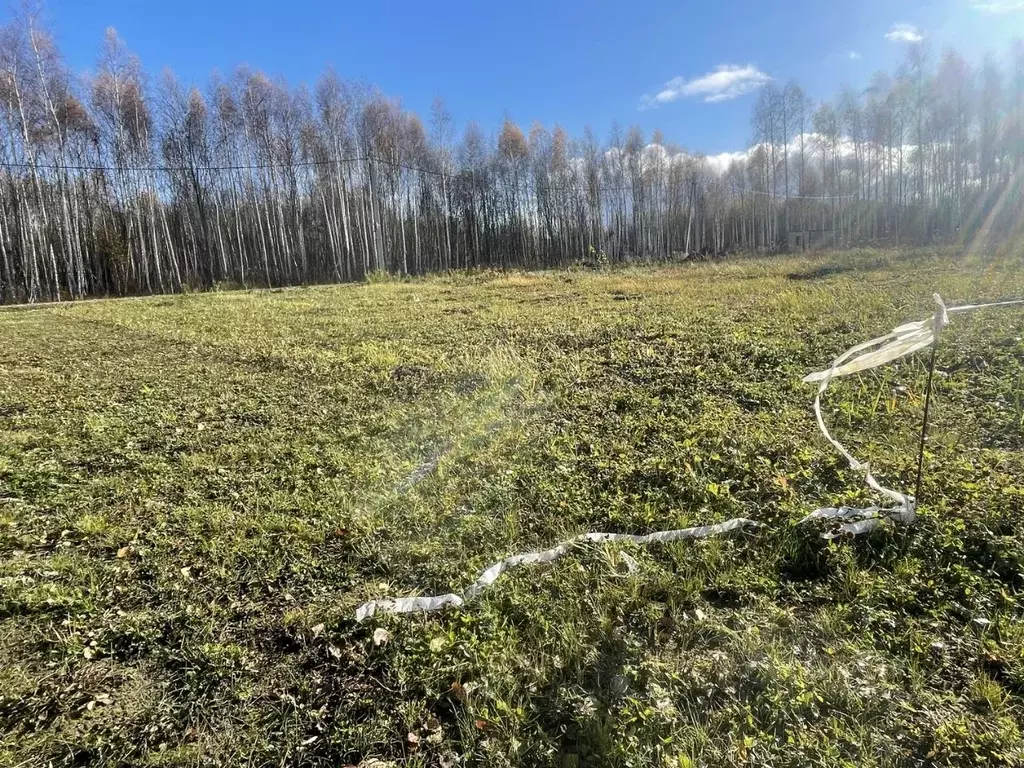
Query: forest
x: 118, y: 183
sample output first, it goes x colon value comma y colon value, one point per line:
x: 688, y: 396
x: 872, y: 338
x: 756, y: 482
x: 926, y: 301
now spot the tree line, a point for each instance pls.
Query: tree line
x: 118, y: 185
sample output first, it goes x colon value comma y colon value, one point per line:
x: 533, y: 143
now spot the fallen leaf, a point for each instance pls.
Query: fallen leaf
x: 318, y: 630
x: 629, y: 564
x: 480, y: 724
x: 123, y: 552
x: 187, y: 571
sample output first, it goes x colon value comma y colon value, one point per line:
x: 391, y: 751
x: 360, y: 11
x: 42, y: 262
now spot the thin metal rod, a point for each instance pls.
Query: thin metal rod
x: 924, y: 422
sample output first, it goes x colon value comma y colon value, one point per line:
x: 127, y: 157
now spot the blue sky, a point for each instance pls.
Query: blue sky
x: 574, y: 63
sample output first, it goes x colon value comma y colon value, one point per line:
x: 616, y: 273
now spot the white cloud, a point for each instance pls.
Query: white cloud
x: 727, y: 81
x: 853, y: 56
x: 997, y: 6
x: 904, y: 33
x: 720, y: 163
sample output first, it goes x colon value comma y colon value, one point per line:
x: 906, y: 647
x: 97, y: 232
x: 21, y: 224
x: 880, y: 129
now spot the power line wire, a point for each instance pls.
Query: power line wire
x: 600, y: 189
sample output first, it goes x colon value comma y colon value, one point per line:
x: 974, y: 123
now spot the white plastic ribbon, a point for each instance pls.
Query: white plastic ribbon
x: 493, y: 572
x: 898, y: 343
x: 965, y: 307
x: 863, y: 519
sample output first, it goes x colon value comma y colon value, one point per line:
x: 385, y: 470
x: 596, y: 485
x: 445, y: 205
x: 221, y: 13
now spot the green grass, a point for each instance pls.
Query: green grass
x: 196, y: 492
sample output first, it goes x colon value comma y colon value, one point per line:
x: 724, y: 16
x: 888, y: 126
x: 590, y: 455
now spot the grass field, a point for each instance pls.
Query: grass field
x: 196, y: 492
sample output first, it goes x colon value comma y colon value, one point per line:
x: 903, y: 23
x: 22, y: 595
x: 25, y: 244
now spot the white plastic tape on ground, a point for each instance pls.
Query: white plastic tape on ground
x: 863, y: 519
x: 492, y: 573
x: 898, y: 343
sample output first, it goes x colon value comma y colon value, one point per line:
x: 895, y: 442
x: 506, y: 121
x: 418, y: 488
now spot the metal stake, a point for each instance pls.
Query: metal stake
x: 924, y: 423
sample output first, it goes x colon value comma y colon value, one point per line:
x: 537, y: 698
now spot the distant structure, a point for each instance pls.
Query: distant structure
x: 809, y: 239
